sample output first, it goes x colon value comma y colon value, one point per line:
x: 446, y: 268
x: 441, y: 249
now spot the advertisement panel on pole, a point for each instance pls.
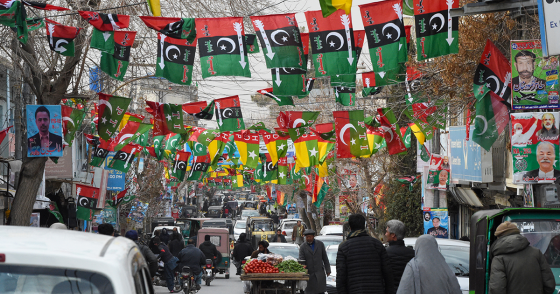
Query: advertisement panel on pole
x: 436, y: 222
x: 534, y: 147
x: 549, y: 26
x: 44, y: 130
x: 116, y: 181
x: 439, y: 173
x: 534, y: 77
x: 469, y: 162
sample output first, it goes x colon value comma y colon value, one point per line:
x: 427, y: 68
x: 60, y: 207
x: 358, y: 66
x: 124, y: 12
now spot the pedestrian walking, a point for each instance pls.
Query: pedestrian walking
x: 518, y: 267
x: 169, y: 261
x: 149, y: 256
x: 297, y: 233
x: 399, y: 254
x: 314, y: 254
x: 428, y: 272
x: 279, y: 237
x: 241, y: 249
x: 362, y: 263
x: 176, y: 244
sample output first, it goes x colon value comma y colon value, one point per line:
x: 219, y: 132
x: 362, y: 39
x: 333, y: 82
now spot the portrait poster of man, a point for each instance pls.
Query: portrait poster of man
x: 439, y: 172
x: 44, y: 131
x: 351, y: 181
x: 436, y: 222
x: 534, y: 147
x: 534, y: 77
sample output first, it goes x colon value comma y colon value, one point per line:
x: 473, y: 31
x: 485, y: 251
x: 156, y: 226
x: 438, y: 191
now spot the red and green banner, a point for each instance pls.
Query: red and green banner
x: 296, y: 119
x: 369, y: 83
x: 180, y: 162
x: 116, y: 64
x: 168, y: 118
x: 199, y: 168
x: 437, y: 33
x: 345, y: 95
x: 43, y: 6
x: 61, y: 37
x: 281, y: 100
x: 494, y: 72
x: 280, y: 40
x: 221, y: 44
x: 111, y: 111
x: 391, y: 131
x: 332, y: 46
x: 290, y: 82
x: 228, y: 114
x: 305, y: 44
x: 124, y: 158
x: 359, y: 37
x: 100, y: 150
x: 175, y: 59
x: 87, y: 198
x: 131, y: 131
x: 492, y: 117
x: 106, y: 22
x: 71, y: 121
x: 351, y: 139
x: 174, y: 27
x: 320, y: 190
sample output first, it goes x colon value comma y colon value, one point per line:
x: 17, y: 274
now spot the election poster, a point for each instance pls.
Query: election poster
x: 439, y: 173
x: 436, y: 222
x: 534, y: 77
x: 534, y: 147
x: 44, y: 131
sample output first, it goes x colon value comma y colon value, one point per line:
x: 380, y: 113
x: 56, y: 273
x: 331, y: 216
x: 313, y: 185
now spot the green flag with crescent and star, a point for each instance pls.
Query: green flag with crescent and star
x: 437, y: 33
x: 175, y: 59
x: 351, y: 135
x: 111, y: 111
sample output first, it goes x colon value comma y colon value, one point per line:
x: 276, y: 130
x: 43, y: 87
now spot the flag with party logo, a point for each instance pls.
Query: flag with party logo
x: 346, y: 96
x: 291, y: 82
x: 129, y: 133
x: 252, y: 44
x: 437, y: 33
x: 492, y: 117
x: 247, y: 143
x: 307, y: 150
x: 116, y: 64
x: 494, y: 72
x: 199, y: 168
x: 276, y: 145
x: 283, y: 170
x: 296, y: 119
x: 111, y: 111
x: 228, y: 114
x: 216, y: 147
x: 281, y: 100
x: 168, y: 118
x: 391, y: 131
x: 175, y: 59
x: 124, y: 158
x: 87, y: 198
x: 180, y: 162
x: 174, y: 27
x: 72, y: 119
x: 351, y: 136
x: 61, y: 37
x: 369, y: 83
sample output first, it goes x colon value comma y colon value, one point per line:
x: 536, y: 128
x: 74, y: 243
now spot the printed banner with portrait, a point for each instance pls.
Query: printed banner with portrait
x: 534, y: 77
x: 436, y: 222
x: 534, y: 147
x: 439, y: 173
x: 44, y: 131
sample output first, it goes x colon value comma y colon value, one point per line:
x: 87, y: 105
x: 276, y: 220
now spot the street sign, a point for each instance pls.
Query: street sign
x: 550, y: 26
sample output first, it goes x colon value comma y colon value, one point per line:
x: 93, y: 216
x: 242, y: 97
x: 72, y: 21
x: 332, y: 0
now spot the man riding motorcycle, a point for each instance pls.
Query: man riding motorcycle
x: 194, y: 258
x: 210, y: 251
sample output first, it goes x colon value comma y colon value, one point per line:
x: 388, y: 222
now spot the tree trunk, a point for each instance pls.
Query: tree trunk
x: 31, y: 176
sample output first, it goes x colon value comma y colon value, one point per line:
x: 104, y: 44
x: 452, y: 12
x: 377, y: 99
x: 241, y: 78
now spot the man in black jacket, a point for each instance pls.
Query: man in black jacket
x: 362, y: 264
x: 398, y: 253
x: 279, y: 237
x: 149, y: 256
x: 210, y: 250
x: 241, y: 250
x: 170, y: 263
x: 194, y: 258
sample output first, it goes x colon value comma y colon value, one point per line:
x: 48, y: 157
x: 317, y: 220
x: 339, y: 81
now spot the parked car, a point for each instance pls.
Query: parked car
x: 41, y: 260
x: 284, y: 249
x: 330, y: 239
x: 332, y: 230
x: 287, y: 227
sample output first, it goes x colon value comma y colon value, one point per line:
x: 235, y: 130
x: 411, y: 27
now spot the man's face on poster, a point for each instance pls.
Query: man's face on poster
x: 548, y: 121
x: 518, y: 129
x: 352, y: 181
x: 42, y: 120
x: 546, y: 157
x: 445, y: 160
x: 427, y: 216
x: 433, y: 162
x: 344, y: 209
x: 436, y: 222
x: 525, y: 66
x: 443, y: 176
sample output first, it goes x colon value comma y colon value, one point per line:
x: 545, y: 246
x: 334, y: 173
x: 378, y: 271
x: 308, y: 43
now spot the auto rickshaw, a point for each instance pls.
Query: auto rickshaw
x: 259, y: 229
x: 220, y: 238
x: 190, y: 227
x: 541, y: 226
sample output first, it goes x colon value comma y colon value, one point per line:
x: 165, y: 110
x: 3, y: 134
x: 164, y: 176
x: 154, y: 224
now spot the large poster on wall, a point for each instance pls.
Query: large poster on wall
x: 534, y: 77
x: 44, y: 131
x: 439, y: 173
x: 534, y: 147
x: 436, y: 222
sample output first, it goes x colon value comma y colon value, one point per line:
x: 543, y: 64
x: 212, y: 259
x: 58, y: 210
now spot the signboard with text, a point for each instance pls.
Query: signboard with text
x: 116, y: 181
x: 549, y: 10
x: 469, y: 162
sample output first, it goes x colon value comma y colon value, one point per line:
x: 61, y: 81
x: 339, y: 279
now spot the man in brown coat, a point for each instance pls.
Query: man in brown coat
x: 297, y: 233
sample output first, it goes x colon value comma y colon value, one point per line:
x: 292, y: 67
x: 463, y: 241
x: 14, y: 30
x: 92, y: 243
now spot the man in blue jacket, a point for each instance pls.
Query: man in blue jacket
x: 194, y: 258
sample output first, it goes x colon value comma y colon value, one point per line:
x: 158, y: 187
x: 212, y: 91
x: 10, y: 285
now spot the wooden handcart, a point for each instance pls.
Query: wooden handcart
x: 277, y: 283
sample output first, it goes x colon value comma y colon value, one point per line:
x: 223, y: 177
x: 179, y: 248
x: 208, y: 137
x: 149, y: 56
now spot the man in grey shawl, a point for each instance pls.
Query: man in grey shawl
x: 427, y: 272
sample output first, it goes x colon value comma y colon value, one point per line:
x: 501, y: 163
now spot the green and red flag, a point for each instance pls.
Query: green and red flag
x: 13, y: 15
x: 229, y: 114
x: 307, y: 150
x: 408, y: 7
x: 494, y: 72
x: 175, y: 59
x: 276, y: 145
x: 291, y: 82
x: 199, y: 168
x: 105, y: 22
x: 282, y: 100
x: 172, y: 141
x: 406, y: 135
x: 119, y: 198
x: 100, y: 149
x: 492, y: 117
x: 425, y: 154
x: 368, y: 81
x: 221, y: 43
x: 345, y: 95
x: 130, y: 133
x: 409, y: 181
x: 280, y: 39
x: 329, y: 7
x: 72, y: 119
x: 111, y: 111
x: 283, y: 172
x: 248, y: 146
x: 307, y: 177
x: 332, y: 46
x: 391, y: 131
x: 252, y: 44
x: 359, y: 37
x: 326, y: 131
x: 419, y: 115
x: 437, y: 33
x: 61, y: 37
x: 53, y: 208
x: 281, y: 198
x: 116, y: 64
x: 158, y: 147
x: 179, y: 169
x: 197, y: 108
x: 407, y: 30
x: 168, y: 118
x: 87, y: 198
x: 305, y: 44
x: 296, y: 119
x: 174, y: 27
x: 123, y: 158
x: 384, y: 26
x: 351, y: 139
x: 203, y: 136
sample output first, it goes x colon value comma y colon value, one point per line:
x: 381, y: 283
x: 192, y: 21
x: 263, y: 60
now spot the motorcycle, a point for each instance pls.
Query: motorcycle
x: 187, y: 281
x: 208, y: 274
x: 159, y: 277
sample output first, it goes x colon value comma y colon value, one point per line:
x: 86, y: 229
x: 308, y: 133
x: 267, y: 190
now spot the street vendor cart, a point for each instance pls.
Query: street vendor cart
x: 274, y: 282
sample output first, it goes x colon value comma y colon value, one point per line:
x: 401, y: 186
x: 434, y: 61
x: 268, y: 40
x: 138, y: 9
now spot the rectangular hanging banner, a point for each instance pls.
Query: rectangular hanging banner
x: 44, y: 130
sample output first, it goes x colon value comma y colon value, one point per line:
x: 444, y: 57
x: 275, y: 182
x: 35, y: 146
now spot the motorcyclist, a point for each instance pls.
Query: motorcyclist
x: 151, y: 259
x: 210, y: 250
x: 194, y: 258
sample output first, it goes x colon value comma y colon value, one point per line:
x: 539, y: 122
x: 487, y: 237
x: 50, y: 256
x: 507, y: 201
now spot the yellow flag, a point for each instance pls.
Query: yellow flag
x: 155, y: 7
x: 418, y: 133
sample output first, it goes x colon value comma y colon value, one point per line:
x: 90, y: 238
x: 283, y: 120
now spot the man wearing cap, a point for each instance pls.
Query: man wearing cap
x: 314, y: 254
x: 149, y: 256
x: 518, y: 267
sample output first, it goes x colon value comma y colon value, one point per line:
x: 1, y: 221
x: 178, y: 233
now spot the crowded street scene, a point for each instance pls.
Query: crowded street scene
x: 280, y: 146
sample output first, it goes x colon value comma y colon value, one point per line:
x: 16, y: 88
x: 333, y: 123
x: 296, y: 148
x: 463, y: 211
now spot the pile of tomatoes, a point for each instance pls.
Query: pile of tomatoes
x: 258, y: 267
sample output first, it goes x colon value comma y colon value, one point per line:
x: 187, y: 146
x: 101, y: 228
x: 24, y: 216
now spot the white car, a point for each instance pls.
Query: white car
x: 240, y: 227
x: 169, y: 230
x: 287, y: 227
x: 332, y: 230
x: 284, y: 249
x: 42, y: 260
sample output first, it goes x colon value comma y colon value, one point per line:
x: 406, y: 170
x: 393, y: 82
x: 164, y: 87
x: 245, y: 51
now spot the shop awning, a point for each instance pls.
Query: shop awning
x: 466, y: 196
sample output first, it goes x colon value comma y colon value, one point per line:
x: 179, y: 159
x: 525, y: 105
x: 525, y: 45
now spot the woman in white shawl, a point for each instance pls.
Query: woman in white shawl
x: 427, y: 272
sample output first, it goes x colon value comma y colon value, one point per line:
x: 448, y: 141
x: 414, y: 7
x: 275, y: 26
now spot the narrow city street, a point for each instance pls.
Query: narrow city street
x: 220, y: 285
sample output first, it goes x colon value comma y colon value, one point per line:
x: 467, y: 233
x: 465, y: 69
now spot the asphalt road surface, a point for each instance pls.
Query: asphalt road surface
x: 220, y: 285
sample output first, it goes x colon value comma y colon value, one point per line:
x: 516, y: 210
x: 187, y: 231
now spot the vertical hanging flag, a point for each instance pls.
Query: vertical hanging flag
x: 283, y: 174
x: 199, y: 167
x: 111, y: 112
x: 252, y: 45
x: 216, y: 147
x: 276, y: 145
x: 175, y: 59
x: 87, y: 201
x: 100, y: 150
x: 375, y: 139
x: 406, y: 135
x: 289, y: 82
x: 13, y: 15
x: 168, y: 118
x: 124, y: 158
x: 155, y: 7
x: 71, y: 121
x: 229, y: 114
x: 351, y: 137
x: 221, y: 43
x: 281, y: 198
x: 494, y: 72
x: 391, y: 131
x: 248, y: 146
x: 116, y: 64
x: 492, y: 117
x: 61, y: 37
x: 305, y: 44
x: 369, y: 83
x: 174, y: 27
x: 359, y: 37
x: 180, y: 163
x: 383, y: 22
x: 332, y: 42
x: 408, y: 7
x: 283, y: 100
x: 280, y: 39
x: 345, y: 95
x: 320, y: 190
x: 296, y: 119
x: 329, y: 7
x: 437, y: 33
x: 307, y: 150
